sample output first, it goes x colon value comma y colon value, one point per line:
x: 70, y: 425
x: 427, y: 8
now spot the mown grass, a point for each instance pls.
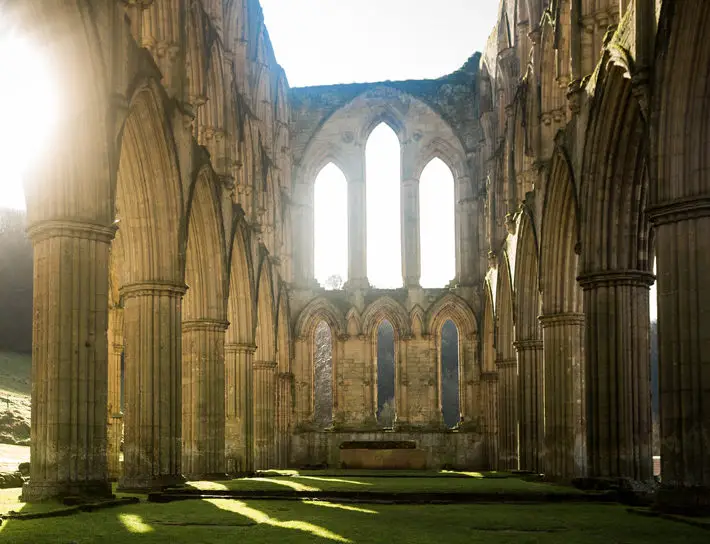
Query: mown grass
x: 225, y: 520
x: 312, y: 481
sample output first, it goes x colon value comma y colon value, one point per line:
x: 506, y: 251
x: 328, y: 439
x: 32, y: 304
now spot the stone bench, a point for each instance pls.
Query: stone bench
x: 382, y: 455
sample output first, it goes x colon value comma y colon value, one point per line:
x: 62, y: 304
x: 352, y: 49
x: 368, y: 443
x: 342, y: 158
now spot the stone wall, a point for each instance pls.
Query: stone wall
x: 460, y: 450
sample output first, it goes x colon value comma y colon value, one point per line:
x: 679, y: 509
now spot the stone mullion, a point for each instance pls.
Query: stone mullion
x: 153, y: 398
x: 203, y: 398
x: 115, y: 415
x: 357, y: 232
x: 531, y: 407
x: 683, y: 262
x: 264, y: 414
x: 410, y: 225
x: 69, y: 359
x: 490, y: 417
x: 239, y: 409
x: 618, y: 374
x: 565, y: 418
x: 507, y: 414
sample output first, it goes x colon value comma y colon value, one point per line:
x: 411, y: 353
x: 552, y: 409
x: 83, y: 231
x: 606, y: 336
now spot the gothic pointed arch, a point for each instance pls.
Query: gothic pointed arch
x: 559, y: 244
x: 265, y: 334
x: 205, y: 262
x: 320, y: 309
x: 242, y: 292
x: 385, y: 308
x: 527, y: 291
x: 454, y: 308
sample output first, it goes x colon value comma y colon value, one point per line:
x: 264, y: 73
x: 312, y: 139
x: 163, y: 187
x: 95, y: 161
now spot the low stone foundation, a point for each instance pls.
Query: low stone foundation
x: 434, y: 450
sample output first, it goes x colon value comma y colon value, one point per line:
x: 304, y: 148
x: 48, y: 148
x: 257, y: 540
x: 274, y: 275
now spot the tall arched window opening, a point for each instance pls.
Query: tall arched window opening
x: 330, y: 226
x: 385, y: 375
x: 323, y: 376
x: 450, y: 407
x: 437, y: 225
x: 384, y: 253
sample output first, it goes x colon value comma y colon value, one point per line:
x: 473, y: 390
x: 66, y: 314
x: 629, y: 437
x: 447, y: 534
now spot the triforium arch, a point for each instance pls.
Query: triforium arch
x: 385, y: 309
x: 453, y: 308
x: 528, y: 345
x: 317, y: 311
x: 562, y: 323
x: 507, y: 368
x: 616, y: 276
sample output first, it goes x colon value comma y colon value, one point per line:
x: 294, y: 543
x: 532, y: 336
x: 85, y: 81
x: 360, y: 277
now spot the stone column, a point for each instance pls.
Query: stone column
x: 264, y: 414
x: 69, y: 360
x: 239, y: 409
x: 490, y: 417
x: 115, y: 410
x: 467, y: 254
x: 531, y: 404
x: 152, y: 360
x: 565, y: 418
x: 618, y: 379
x: 507, y: 414
x: 683, y: 262
x: 284, y: 400
x: 411, y: 243
x: 303, y: 239
x: 203, y: 399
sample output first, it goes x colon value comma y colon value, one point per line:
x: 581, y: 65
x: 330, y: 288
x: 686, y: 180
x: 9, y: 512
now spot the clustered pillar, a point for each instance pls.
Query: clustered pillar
x: 531, y: 407
x: 507, y: 414
x: 203, y: 398
x: 618, y: 374
x: 239, y: 437
x: 264, y: 414
x: 565, y: 424
x: 490, y: 417
x: 284, y: 382
x: 69, y: 360
x: 684, y: 351
x: 357, y: 231
x: 152, y: 443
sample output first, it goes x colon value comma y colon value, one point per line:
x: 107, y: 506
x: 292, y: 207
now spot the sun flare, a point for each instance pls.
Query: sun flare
x: 29, y: 99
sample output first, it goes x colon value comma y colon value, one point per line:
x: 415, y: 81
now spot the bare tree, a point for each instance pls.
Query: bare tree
x: 334, y: 282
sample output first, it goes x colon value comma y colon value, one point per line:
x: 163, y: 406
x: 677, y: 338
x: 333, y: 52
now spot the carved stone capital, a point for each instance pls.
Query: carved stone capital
x: 616, y: 278
x: 153, y: 288
x: 553, y: 320
x: 681, y: 209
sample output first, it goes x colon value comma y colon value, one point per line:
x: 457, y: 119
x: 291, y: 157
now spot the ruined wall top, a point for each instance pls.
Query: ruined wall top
x: 454, y: 97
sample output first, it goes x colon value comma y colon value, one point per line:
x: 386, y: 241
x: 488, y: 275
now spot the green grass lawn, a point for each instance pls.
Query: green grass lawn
x: 315, y: 482
x: 225, y: 520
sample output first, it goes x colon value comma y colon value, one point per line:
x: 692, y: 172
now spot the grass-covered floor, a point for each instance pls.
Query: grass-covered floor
x: 372, y: 482
x: 246, y: 521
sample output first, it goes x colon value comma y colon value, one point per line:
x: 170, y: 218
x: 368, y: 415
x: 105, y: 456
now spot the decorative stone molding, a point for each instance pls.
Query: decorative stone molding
x: 561, y: 319
x: 614, y: 278
x: 264, y: 365
x: 507, y: 363
x: 152, y: 288
x: 528, y: 345
x: 45, y: 230
x: 682, y: 209
x: 208, y: 325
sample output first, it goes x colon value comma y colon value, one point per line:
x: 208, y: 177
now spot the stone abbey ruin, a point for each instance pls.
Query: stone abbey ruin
x: 175, y: 302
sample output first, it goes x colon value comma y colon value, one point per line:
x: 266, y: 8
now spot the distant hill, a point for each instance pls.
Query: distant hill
x: 15, y: 283
x: 15, y: 387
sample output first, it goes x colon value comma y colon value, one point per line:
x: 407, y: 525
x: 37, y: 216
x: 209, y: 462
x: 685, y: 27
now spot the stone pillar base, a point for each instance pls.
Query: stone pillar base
x: 685, y: 501
x: 40, y: 491
x: 142, y: 485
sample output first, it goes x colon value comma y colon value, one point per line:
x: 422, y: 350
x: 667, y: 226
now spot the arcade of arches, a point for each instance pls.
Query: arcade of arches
x: 173, y: 234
